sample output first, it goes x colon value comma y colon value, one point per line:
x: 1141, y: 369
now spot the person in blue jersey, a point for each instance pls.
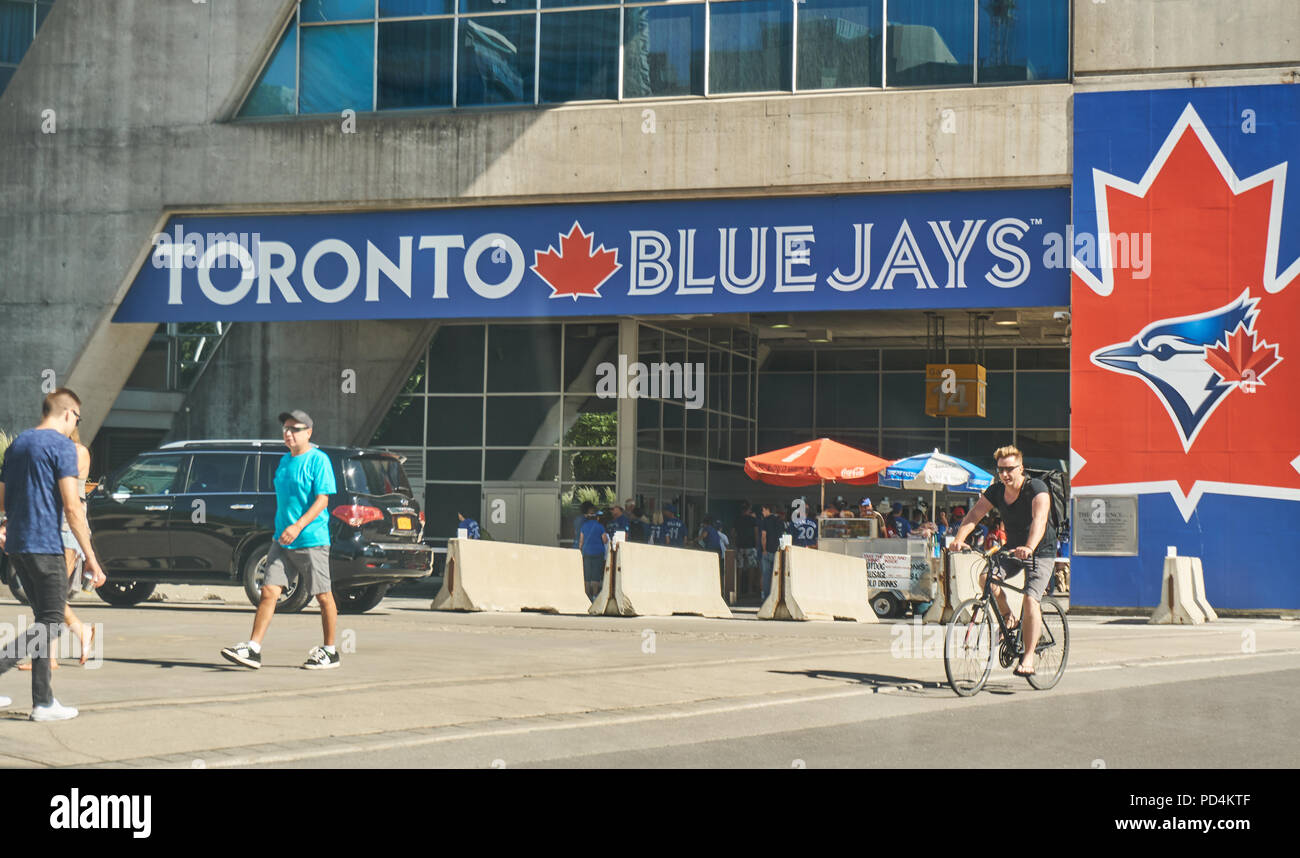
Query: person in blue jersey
x: 674, y: 527
x: 710, y: 539
x: 657, y: 528
x: 304, y: 481
x: 469, y: 525
x: 618, y: 520
x: 587, y: 506
x: 804, y: 531
x: 593, y: 541
x: 901, y: 525
x: 638, y: 529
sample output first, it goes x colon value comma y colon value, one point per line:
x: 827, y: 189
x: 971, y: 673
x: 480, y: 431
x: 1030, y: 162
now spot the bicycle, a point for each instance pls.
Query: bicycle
x: 970, y: 646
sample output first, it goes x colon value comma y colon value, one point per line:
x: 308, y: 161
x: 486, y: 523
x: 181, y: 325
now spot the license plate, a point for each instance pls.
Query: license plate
x: 403, y: 522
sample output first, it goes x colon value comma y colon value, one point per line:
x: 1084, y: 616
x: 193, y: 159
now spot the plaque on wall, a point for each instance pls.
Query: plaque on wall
x: 1105, y: 525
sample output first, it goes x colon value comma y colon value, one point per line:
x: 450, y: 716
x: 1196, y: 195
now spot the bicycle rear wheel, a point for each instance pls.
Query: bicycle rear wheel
x: 969, y: 650
x: 1053, y: 646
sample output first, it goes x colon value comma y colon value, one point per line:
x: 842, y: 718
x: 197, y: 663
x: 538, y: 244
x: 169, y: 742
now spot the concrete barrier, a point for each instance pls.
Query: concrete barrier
x: 964, y: 583
x: 808, y: 584
x: 657, y: 581
x: 507, y: 576
x: 1182, y: 594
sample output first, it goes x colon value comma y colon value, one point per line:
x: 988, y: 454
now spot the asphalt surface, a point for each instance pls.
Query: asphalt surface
x: 419, y: 688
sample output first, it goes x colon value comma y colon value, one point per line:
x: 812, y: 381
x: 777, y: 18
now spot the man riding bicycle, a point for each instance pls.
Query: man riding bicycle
x: 1024, y: 505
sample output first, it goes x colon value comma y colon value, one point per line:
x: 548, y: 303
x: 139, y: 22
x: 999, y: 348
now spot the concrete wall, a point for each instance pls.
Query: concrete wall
x: 1165, y: 35
x: 142, y: 91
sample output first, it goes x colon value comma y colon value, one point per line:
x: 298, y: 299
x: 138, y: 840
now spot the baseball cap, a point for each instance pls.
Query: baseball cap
x: 898, y: 507
x: 297, y: 414
x: 865, y: 502
x: 670, y: 508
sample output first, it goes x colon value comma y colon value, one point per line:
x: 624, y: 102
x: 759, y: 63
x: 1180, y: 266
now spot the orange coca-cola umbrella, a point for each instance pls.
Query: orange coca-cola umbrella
x: 821, y: 461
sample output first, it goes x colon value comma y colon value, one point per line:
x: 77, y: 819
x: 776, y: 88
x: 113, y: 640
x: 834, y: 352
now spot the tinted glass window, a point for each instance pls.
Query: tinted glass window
x: 929, y: 43
x: 579, y: 56
x: 496, y: 59
x: 1025, y: 41
x: 375, y: 475
x: 839, y: 43
x: 750, y: 46
x: 266, y: 466
x: 217, y: 472
x: 663, y: 51
x: 337, y: 68
x: 151, y: 475
x: 456, y: 360
x: 415, y: 64
x: 276, y: 92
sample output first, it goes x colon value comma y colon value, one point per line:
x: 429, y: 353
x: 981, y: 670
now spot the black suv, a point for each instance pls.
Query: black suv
x: 203, y: 512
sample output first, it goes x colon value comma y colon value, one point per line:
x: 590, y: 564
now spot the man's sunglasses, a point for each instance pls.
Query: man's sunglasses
x: 293, y: 430
x: 77, y: 415
x: 1002, y: 470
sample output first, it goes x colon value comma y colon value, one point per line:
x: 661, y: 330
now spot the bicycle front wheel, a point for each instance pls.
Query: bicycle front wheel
x: 969, y: 649
x: 1053, y: 646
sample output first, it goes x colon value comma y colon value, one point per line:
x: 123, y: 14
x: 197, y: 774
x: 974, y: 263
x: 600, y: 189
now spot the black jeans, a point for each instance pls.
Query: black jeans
x: 45, y: 578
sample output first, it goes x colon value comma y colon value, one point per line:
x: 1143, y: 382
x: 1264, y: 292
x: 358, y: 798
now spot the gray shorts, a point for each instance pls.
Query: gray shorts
x: 70, y: 542
x: 282, y: 562
x: 1039, y: 576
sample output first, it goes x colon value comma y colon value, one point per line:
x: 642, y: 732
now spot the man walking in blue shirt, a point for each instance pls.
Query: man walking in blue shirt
x: 592, y: 541
x: 469, y: 525
x: 38, y: 484
x: 304, y: 481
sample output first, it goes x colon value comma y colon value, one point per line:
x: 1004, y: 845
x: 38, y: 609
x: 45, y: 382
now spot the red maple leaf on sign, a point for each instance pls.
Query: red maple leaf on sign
x: 1240, y: 361
x: 576, y: 269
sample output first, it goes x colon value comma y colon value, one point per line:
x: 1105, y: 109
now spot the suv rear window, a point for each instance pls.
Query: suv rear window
x: 375, y: 475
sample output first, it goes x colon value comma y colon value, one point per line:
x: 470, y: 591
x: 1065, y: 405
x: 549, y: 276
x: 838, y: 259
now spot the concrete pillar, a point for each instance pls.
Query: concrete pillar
x: 625, y: 472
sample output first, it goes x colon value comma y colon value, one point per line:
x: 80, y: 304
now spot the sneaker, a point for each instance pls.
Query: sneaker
x: 242, y: 654
x: 56, y: 711
x: 321, y: 659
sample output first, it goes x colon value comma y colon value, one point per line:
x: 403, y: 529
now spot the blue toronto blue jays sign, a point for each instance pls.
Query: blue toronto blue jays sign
x: 956, y: 250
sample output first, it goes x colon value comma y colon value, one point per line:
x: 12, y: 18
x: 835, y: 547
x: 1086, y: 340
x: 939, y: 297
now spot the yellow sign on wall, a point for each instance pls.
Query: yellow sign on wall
x: 955, y: 389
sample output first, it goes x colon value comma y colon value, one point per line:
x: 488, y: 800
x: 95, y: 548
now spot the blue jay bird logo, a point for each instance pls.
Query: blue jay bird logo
x: 1177, y: 359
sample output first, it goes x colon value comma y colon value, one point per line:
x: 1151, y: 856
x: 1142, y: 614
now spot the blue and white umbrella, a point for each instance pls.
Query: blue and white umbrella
x: 935, y: 471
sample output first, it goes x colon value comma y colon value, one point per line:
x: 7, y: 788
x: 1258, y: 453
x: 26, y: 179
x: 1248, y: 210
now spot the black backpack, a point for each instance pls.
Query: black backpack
x: 1058, y: 485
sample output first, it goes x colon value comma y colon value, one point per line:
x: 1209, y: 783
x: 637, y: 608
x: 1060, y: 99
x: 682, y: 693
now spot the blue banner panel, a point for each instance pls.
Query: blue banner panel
x: 1185, y: 351
x: 1247, y: 564
x: 959, y: 250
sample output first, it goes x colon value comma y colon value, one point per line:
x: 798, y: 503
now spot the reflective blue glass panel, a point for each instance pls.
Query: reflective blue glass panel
x: 337, y: 68
x: 15, y: 31
x: 1023, y: 40
x: 750, y: 46
x: 496, y: 5
x: 415, y: 63
x: 496, y: 60
x: 402, y: 8
x: 275, y: 93
x: 579, y: 56
x: 336, y: 10
x: 929, y: 43
x: 839, y: 43
x: 663, y: 50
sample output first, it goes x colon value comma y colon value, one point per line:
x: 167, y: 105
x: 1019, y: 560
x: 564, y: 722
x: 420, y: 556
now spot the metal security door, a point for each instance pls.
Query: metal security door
x: 541, y: 515
x: 502, y: 511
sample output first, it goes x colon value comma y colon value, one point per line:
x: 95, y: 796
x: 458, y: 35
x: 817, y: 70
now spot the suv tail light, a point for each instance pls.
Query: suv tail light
x: 355, y: 515
x: 421, y: 518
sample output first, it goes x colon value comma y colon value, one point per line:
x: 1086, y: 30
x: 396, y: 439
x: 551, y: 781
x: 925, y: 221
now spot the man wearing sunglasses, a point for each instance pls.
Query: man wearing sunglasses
x: 38, y: 483
x: 1024, y: 505
x: 304, y: 481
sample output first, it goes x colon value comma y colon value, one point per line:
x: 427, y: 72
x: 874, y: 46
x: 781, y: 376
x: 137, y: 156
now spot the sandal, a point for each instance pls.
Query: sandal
x: 1019, y: 672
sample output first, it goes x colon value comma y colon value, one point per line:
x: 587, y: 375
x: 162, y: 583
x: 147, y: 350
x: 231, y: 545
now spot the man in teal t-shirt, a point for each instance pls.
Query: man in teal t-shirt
x: 304, y: 480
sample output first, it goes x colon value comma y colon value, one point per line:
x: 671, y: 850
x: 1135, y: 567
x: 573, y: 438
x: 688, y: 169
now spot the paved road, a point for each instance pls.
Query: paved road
x: 421, y: 688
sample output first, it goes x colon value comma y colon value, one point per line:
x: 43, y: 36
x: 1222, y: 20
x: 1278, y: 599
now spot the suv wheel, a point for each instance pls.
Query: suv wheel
x: 358, y: 600
x: 292, y: 599
x: 126, y: 593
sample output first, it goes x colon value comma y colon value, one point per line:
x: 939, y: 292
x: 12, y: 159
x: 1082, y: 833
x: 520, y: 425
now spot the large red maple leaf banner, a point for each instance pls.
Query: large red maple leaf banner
x: 576, y: 269
x: 1209, y: 245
